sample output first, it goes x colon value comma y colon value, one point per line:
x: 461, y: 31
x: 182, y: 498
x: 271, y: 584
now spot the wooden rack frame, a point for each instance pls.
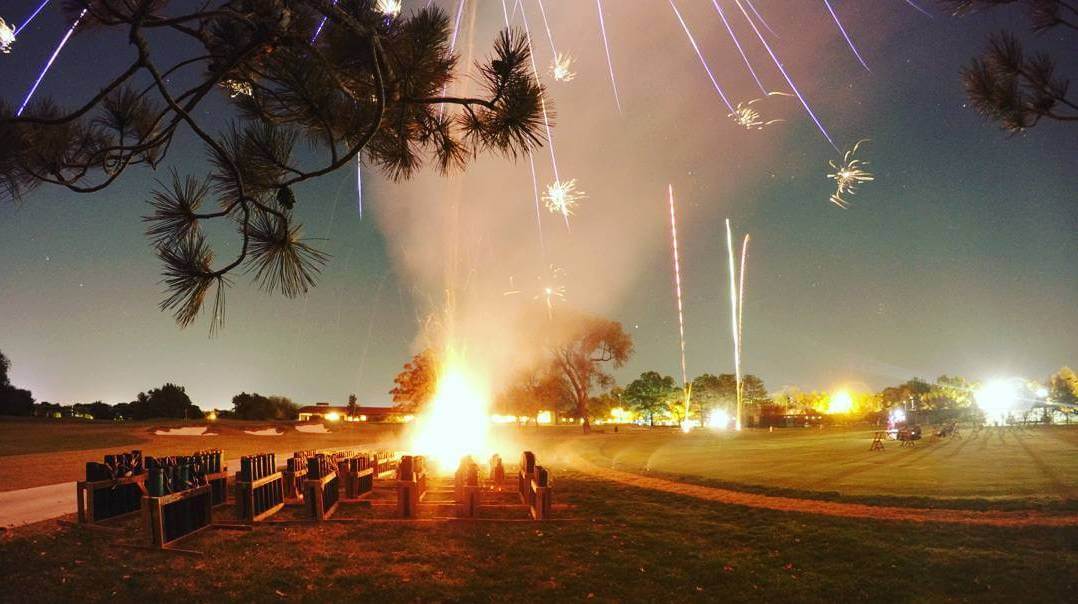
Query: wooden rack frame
x: 218, y: 482
x: 314, y: 493
x: 293, y: 483
x: 245, y: 495
x: 84, y: 495
x: 154, y: 517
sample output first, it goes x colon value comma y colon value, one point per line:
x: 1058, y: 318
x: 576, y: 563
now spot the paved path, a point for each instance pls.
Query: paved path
x: 26, y: 506
x: 832, y: 508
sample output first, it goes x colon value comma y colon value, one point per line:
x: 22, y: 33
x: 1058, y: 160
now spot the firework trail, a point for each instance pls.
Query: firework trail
x: 546, y: 24
x: 558, y: 189
x: 30, y: 18
x: 700, y: 55
x: 733, y: 36
x: 48, y: 65
x: 741, y: 305
x: 531, y: 163
x: 761, y: 18
x: 785, y: 75
x: 321, y: 24
x: 359, y: 186
x: 733, y: 319
x: 842, y: 29
x: 609, y: 60
x: 561, y: 65
x: 677, y: 290
x: 918, y: 7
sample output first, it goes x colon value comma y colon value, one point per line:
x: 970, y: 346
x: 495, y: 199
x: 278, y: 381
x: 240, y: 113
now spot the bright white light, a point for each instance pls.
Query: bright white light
x: 7, y: 36
x: 841, y: 403
x: 719, y: 419
x: 333, y: 416
x: 561, y: 68
x: 1042, y: 392
x: 898, y: 415
x: 997, y: 399
x: 545, y: 418
x: 457, y: 421
x: 389, y: 8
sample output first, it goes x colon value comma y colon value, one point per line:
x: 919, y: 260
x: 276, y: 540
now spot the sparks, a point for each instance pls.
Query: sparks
x: 845, y: 35
x: 746, y: 116
x: 551, y: 289
x: 7, y: 36
x: 609, y: 60
x: 849, y: 174
x: 677, y: 290
x: 782, y: 70
x: 48, y: 64
x: 389, y: 8
x: 562, y: 197
x: 560, y: 69
x: 237, y: 88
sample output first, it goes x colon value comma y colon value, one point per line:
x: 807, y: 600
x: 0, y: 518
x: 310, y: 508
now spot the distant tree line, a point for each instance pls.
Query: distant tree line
x: 257, y: 407
x: 169, y: 401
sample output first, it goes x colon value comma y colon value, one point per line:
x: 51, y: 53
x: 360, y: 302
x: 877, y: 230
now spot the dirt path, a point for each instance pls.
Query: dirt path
x: 831, y: 508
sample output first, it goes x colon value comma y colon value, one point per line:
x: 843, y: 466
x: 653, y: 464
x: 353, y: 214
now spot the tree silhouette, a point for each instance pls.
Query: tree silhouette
x: 13, y: 401
x: 1007, y: 86
x: 651, y: 394
x: 371, y: 86
x: 583, y: 348
x: 414, y: 386
x: 353, y: 405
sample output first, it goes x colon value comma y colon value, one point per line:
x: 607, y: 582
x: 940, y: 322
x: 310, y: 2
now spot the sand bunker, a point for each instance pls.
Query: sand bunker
x: 266, y: 432
x: 189, y: 431
x: 313, y: 429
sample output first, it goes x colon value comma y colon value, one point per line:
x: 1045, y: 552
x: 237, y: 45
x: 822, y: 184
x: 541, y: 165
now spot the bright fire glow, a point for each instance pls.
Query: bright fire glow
x: 389, y: 8
x: 997, y: 399
x: 719, y: 419
x: 333, y: 416
x: 457, y: 419
x: 841, y: 403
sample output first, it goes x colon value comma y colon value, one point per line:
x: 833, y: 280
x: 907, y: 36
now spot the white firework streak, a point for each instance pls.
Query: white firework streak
x: 849, y: 174
x: 746, y: 116
x: 609, y: 59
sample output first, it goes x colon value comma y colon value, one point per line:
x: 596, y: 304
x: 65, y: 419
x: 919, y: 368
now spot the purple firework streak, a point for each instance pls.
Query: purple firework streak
x: 842, y: 29
x: 48, y: 65
x: 737, y: 43
x: 31, y: 17
x: 700, y: 55
x: 609, y: 59
x: 782, y: 70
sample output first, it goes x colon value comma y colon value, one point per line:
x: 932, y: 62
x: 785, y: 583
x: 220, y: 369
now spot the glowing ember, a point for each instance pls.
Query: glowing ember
x: 746, y: 116
x: 389, y: 8
x: 849, y: 174
x: 561, y: 68
x: 237, y: 88
x: 456, y: 422
x: 562, y: 197
x: 7, y: 36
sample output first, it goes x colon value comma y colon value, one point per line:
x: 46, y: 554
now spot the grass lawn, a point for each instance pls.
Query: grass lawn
x: 1033, y: 465
x: 620, y: 544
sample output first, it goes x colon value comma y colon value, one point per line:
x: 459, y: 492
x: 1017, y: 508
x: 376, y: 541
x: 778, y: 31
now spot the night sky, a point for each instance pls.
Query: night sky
x: 959, y: 258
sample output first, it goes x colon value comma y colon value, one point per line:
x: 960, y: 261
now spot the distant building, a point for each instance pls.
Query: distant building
x: 334, y: 413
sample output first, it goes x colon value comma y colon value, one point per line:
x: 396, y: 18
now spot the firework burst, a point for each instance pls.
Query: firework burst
x: 551, y: 289
x: 748, y: 117
x: 561, y: 68
x: 237, y: 88
x: 389, y: 8
x: 562, y: 197
x: 7, y: 36
x: 849, y: 174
